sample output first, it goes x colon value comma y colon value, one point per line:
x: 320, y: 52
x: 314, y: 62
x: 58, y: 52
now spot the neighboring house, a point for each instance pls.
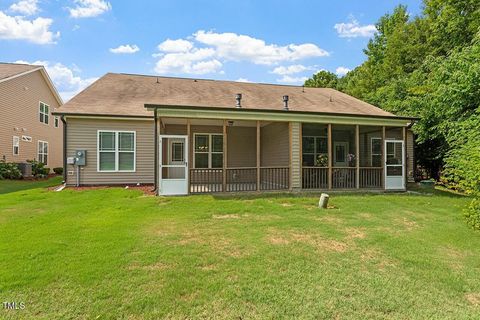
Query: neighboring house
x: 28, y: 131
x: 199, y: 136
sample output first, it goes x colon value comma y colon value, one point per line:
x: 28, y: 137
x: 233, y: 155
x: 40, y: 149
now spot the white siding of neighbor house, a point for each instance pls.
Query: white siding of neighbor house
x: 82, y: 135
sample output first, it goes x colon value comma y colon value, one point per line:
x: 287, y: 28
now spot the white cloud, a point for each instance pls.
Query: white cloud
x: 232, y: 46
x: 296, y: 68
x: 353, y: 29
x: 25, y: 7
x: 206, y: 52
x: 128, y: 49
x: 18, y: 28
x: 292, y: 80
x: 341, y: 71
x: 178, y: 45
x: 89, y: 8
x: 66, y: 80
x: 242, y: 80
x: 197, y: 61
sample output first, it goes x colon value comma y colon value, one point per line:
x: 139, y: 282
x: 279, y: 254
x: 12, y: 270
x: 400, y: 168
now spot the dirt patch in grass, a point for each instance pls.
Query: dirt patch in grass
x: 278, y: 237
x: 152, y: 267
x: 454, y: 258
x: 286, y: 204
x: 330, y: 219
x: 355, y: 233
x: 377, y: 258
x: 226, y: 216
x: 473, y: 298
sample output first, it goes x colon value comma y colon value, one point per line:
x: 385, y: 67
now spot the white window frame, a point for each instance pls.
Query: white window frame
x: 42, y: 153
x: 371, y: 150
x: 16, y: 144
x: 173, y: 142
x: 117, y: 151
x: 56, y: 121
x: 210, y: 149
x: 46, y: 115
x: 315, y: 153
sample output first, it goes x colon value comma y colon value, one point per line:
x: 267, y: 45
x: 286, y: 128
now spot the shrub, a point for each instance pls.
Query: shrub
x: 472, y: 214
x: 58, y: 170
x: 9, y: 171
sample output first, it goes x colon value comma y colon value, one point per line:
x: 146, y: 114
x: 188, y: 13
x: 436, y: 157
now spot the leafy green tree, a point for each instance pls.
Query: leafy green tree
x: 322, y: 79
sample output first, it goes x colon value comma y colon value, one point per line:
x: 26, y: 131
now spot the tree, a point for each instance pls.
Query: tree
x: 323, y: 79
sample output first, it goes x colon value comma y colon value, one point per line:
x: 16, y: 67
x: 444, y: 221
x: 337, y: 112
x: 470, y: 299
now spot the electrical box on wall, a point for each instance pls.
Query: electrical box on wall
x: 71, y: 160
x: 81, y: 157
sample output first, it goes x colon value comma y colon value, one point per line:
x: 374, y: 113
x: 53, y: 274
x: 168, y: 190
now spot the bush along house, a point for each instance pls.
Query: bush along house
x: 188, y: 136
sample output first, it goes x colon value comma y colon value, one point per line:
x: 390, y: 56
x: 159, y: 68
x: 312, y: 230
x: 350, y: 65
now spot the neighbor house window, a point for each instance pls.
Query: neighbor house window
x: 208, y: 150
x: 16, y: 145
x: 55, y: 122
x: 44, y: 112
x: 116, y: 151
x: 376, y: 152
x: 43, y: 152
x: 312, y: 150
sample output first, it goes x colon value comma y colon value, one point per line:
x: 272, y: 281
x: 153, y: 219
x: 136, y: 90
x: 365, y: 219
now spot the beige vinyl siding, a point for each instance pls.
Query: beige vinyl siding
x: 410, y: 156
x: 274, y: 144
x: 82, y: 135
x: 296, y: 140
x: 242, y: 147
x: 19, y: 104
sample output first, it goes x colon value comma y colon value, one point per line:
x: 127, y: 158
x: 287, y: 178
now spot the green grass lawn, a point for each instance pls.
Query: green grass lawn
x: 7, y: 186
x: 115, y: 253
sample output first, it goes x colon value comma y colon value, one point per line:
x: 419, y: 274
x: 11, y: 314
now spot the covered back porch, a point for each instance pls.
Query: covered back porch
x: 211, y: 155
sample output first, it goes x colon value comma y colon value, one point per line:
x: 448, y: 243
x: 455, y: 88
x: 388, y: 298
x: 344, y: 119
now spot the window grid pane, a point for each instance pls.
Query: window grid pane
x: 126, y: 141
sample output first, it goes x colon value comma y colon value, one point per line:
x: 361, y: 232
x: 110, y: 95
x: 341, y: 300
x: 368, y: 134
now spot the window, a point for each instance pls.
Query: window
x: 44, y: 112
x: 16, y: 145
x: 43, y: 152
x: 177, y: 152
x: 376, y: 152
x: 312, y: 149
x: 55, y: 122
x: 208, y: 151
x: 116, y: 151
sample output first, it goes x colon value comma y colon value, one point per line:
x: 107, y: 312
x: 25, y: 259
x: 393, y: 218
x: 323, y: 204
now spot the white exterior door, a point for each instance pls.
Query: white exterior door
x: 173, y: 173
x: 394, y: 165
x: 340, y: 153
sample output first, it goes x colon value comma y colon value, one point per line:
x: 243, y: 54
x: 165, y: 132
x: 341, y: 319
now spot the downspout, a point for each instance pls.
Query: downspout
x: 155, y: 150
x: 64, y: 149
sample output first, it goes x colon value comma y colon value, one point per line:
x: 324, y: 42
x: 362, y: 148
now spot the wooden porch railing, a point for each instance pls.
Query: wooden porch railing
x: 241, y: 179
x: 371, y: 178
x: 344, y: 178
x: 206, y: 180
x: 314, y: 177
x: 274, y: 178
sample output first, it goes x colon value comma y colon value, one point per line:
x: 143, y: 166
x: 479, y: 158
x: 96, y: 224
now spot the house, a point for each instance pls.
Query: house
x: 188, y: 136
x: 28, y: 131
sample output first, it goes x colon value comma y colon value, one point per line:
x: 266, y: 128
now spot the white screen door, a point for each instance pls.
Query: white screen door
x: 173, y: 173
x: 394, y: 165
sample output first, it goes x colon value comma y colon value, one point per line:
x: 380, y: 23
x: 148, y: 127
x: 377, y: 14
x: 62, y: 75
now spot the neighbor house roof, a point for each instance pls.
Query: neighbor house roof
x: 127, y: 94
x: 9, y: 71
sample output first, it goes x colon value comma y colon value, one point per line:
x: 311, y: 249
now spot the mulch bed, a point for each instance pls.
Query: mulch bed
x: 147, y: 190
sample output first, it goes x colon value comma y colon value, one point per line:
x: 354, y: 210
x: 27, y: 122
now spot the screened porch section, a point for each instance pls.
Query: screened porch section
x: 232, y: 156
x: 345, y: 157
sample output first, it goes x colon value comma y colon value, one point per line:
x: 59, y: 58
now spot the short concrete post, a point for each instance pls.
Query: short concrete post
x: 323, y: 202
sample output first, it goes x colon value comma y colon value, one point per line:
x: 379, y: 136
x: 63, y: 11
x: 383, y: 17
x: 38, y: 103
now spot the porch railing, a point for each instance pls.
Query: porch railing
x: 274, y: 178
x: 314, y: 178
x: 344, y: 178
x: 371, y: 178
x: 241, y: 179
x: 206, y: 180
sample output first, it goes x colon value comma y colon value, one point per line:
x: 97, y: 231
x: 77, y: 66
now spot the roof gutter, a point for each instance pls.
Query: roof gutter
x: 236, y: 110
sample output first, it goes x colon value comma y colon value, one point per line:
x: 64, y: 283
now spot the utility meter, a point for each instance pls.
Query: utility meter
x: 80, y: 157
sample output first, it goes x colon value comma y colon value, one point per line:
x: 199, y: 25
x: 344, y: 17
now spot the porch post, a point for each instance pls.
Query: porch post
x: 290, y: 156
x: 224, y: 162
x: 258, y: 155
x: 383, y: 157
x: 155, y: 151
x: 329, y: 156
x: 189, y: 162
x: 404, y: 160
x: 357, y: 156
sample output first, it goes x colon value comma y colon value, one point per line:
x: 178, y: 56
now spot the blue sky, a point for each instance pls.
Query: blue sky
x: 259, y: 41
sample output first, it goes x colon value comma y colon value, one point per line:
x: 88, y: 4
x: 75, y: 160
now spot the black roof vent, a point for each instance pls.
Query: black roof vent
x: 238, y: 99
x: 285, y: 103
